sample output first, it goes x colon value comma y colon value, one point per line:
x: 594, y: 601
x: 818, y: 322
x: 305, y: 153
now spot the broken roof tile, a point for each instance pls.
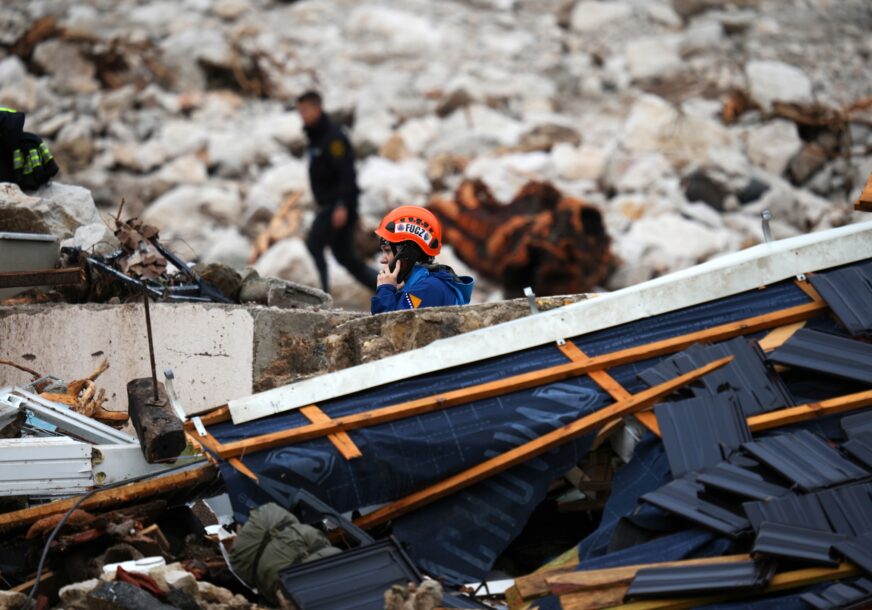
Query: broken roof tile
x: 740, y: 481
x: 753, y: 384
x: 826, y: 353
x: 848, y: 292
x: 698, y: 432
x: 805, y: 459
x: 667, y: 582
x: 840, y: 595
x: 792, y: 509
x: 798, y: 543
x: 857, y: 423
x: 681, y: 497
x: 849, y: 509
x: 860, y: 447
x: 858, y: 550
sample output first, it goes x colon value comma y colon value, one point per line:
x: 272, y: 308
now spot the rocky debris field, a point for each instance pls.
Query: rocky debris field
x: 681, y: 121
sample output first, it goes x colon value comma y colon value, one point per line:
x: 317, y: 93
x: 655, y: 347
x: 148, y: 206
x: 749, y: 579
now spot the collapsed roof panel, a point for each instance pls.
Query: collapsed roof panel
x: 858, y: 550
x: 826, y: 353
x: 740, y: 481
x: 699, y: 432
x: 857, y: 424
x: 748, y: 269
x: 796, y: 543
x: 841, y: 595
x: 802, y: 511
x: 805, y: 459
x: 848, y: 292
x: 849, y: 509
x: 668, y: 582
x: 860, y: 448
x: 753, y: 385
x: 681, y: 498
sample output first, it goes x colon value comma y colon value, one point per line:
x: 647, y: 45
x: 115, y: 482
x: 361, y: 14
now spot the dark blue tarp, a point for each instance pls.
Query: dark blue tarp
x: 461, y: 536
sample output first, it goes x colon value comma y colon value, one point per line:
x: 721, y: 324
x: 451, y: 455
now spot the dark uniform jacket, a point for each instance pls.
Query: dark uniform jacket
x: 331, y: 166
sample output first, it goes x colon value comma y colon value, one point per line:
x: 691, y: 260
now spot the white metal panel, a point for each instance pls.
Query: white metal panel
x: 47, y: 466
x: 114, y: 463
x: 68, y: 421
x: 731, y: 274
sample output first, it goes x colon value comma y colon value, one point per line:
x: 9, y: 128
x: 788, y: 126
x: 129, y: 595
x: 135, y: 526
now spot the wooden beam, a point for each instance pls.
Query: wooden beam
x: 112, y: 497
x: 808, y: 289
x: 562, y: 584
x: 517, y: 383
x: 779, y: 336
x: 536, y: 447
x: 792, y: 415
x: 780, y: 582
x: 864, y: 201
x: 340, y: 440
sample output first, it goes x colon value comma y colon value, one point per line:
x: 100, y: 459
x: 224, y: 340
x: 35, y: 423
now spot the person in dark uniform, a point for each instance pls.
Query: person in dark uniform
x: 334, y: 186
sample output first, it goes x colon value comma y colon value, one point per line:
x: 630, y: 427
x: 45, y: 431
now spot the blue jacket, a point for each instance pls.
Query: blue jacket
x: 424, y: 288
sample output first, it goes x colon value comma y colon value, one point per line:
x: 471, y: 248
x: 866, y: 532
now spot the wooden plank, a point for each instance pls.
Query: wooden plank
x: 779, y: 336
x: 218, y: 415
x: 25, y: 587
x: 595, y: 598
x: 785, y: 417
x: 112, y: 497
x: 649, y: 420
x: 516, y: 383
x: 562, y: 584
x: 810, y: 290
x: 780, y: 582
x: 525, y: 587
x: 601, y: 378
x: 531, y: 449
x: 340, y: 440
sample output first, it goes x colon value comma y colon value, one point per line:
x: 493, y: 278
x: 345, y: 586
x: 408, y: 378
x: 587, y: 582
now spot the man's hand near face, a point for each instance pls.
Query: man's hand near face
x: 386, y: 276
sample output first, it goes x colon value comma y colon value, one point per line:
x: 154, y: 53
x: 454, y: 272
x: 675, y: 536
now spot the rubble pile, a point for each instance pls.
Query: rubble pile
x: 679, y: 120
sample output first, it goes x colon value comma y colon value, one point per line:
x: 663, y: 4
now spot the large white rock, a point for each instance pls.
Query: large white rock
x: 95, y: 238
x: 654, y: 125
x: 775, y: 81
x: 388, y: 32
x: 183, y: 137
x: 653, y: 57
x: 505, y: 175
x: 183, y: 170
x: 228, y: 246
x: 55, y: 208
x: 17, y: 89
x: 386, y: 184
x: 773, y: 145
x: 72, y: 73
x: 676, y: 241
x: 289, y: 259
x: 476, y: 130
x: 591, y: 15
x: 232, y: 152
x: 418, y: 133
x: 586, y: 162
x: 639, y: 173
x: 275, y: 184
x: 195, y: 206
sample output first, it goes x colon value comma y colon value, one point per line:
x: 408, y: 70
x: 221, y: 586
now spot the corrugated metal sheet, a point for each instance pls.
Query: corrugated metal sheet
x: 803, y: 511
x: 857, y: 424
x: 752, y: 384
x: 860, y: 447
x: 700, y: 432
x: 849, y: 509
x: 805, y: 459
x: 740, y: 481
x: 49, y: 466
x: 842, y: 595
x: 681, y: 498
x: 826, y: 353
x: 858, y: 550
x: 797, y: 543
x: 735, y: 576
x: 848, y: 292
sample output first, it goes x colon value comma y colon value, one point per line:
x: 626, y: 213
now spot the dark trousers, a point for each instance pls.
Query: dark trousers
x: 341, y: 242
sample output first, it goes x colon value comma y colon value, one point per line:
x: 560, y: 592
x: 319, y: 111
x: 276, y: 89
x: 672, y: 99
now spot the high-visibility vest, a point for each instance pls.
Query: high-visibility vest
x: 32, y: 162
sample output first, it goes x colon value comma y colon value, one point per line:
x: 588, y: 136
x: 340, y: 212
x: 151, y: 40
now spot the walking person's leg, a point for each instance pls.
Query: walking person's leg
x: 342, y: 245
x: 318, y: 239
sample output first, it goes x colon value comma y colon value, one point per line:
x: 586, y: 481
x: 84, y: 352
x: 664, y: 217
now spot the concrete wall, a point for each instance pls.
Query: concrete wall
x: 207, y: 346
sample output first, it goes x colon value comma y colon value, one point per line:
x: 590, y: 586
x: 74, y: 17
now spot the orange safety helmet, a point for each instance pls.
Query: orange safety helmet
x: 415, y: 224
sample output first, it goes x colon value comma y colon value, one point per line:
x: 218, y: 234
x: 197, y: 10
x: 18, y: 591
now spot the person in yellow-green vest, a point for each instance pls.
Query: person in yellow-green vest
x: 24, y: 158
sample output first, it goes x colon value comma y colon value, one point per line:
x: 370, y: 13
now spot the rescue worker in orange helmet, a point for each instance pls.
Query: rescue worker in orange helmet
x: 411, y: 237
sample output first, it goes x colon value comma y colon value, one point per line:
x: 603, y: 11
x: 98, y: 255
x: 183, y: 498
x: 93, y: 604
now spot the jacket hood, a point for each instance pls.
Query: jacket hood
x: 462, y: 285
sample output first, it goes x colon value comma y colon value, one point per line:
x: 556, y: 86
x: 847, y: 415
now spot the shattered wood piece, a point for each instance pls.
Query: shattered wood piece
x: 25, y: 587
x: 864, y: 201
x: 535, y: 447
x: 582, y: 580
x: 113, y: 497
x: 518, y: 382
x: 46, y: 524
x: 160, y: 432
x: 780, y: 582
x: 20, y: 367
x: 283, y: 224
x: 340, y: 440
x: 778, y: 336
x: 786, y: 417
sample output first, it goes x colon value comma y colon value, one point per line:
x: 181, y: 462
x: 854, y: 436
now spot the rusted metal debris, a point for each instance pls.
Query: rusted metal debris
x: 41, y: 277
x: 542, y: 239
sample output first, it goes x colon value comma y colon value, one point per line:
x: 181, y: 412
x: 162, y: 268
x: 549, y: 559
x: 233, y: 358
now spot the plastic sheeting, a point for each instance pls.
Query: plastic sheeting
x: 460, y: 537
